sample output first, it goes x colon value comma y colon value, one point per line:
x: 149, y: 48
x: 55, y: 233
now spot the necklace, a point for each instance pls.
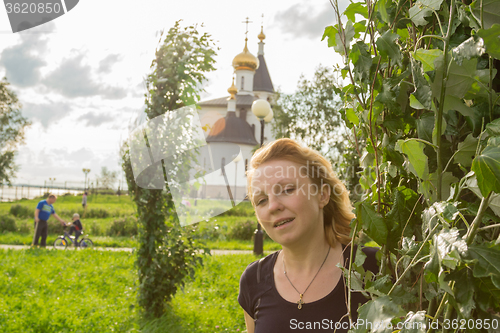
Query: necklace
x: 300, y: 302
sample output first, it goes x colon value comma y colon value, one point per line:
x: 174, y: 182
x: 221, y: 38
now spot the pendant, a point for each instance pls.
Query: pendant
x: 300, y: 302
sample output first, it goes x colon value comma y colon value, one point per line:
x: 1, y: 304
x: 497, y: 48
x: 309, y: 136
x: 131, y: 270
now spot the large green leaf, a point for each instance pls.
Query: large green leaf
x: 488, y: 261
x: 428, y: 187
x: 494, y: 205
x: 403, y: 210
x: 422, y: 91
x: 330, y: 32
x: 335, y: 40
x: 351, y: 116
x: 472, y: 47
x: 388, y: 48
x: 450, y: 246
x: 356, y: 8
x: 491, y: 12
x: 414, y: 322
x: 418, y: 160
x: 425, y: 125
x: 455, y: 103
x: 381, y: 310
x: 423, y: 8
x: 491, y: 39
x: 382, y: 10
x: 460, y: 78
x: 373, y: 223
x: 493, y: 128
x: 466, y: 151
x: 486, y: 166
x: 427, y: 58
x: 361, y: 59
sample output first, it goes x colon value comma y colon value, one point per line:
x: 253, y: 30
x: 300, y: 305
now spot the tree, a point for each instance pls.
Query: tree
x: 167, y: 253
x: 12, y: 127
x: 107, y: 178
x: 420, y: 88
x: 311, y: 114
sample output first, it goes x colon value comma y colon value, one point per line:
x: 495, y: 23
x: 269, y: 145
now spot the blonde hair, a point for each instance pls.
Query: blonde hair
x: 76, y: 215
x: 337, y: 214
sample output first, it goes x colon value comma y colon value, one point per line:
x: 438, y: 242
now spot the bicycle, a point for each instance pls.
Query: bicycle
x: 63, y: 241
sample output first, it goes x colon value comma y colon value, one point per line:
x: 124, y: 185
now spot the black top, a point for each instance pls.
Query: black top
x: 78, y: 225
x: 272, y: 313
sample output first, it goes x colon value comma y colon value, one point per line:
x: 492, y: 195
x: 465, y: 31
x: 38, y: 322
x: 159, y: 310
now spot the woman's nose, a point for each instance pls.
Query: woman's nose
x: 274, y: 203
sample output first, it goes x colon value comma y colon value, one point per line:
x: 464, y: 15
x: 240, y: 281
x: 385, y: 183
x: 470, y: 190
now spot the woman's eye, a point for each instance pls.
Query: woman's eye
x: 289, y: 190
x: 261, y: 201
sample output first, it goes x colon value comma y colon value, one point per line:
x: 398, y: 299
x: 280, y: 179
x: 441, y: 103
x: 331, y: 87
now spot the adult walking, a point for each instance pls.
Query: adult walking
x: 42, y: 214
x: 84, y: 203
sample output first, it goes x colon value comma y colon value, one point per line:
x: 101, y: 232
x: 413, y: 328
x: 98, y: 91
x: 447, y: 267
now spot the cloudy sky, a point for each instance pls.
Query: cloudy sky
x: 80, y: 78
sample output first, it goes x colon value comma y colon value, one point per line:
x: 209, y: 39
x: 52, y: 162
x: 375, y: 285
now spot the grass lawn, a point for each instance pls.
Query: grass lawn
x: 94, y: 291
x: 110, y: 212
x: 208, y: 303
x: 67, y: 291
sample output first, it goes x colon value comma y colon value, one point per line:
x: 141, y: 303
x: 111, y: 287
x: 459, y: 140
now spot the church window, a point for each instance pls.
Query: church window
x: 242, y: 83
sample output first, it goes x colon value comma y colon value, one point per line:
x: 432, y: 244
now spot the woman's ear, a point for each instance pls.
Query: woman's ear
x: 324, y: 198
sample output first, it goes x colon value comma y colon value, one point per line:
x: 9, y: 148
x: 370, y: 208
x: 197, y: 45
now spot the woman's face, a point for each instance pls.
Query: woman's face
x: 287, y: 204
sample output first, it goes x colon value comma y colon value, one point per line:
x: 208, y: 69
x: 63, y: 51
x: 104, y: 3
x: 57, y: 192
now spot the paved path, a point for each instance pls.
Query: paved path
x: 212, y: 252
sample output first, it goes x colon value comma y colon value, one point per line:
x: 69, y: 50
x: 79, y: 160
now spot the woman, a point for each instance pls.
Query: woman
x: 303, y: 206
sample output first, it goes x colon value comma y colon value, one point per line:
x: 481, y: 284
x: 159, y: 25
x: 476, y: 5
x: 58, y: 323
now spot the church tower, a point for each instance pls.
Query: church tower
x: 229, y: 120
x: 262, y: 84
x: 245, y: 65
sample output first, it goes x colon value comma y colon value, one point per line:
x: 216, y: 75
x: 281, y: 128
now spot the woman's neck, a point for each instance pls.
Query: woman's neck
x: 307, y: 257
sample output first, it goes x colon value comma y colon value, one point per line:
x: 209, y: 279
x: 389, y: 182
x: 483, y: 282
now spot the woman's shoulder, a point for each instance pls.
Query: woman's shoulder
x: 258, y: 270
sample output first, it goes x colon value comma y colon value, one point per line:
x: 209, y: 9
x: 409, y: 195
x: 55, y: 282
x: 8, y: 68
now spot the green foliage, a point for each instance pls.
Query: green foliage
x: 243, y: 230
x: 421, y: 98
x: 167, y: 252
x: 22, y: 211
x: 55, y: 227
x: 12, y: 127
x: 208, y: 303
x: 311, y: 114
x: 93, y: 213
x: 107, y: 178
x: 7, y: 224
x: 123, y: 227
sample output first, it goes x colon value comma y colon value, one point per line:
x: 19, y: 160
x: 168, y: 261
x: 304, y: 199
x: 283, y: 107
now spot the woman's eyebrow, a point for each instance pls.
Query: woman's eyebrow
x: 280, y: 182
x: 286, y: 181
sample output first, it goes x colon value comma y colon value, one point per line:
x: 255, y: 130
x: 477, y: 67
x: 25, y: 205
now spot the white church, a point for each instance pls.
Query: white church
x: 229, y: 121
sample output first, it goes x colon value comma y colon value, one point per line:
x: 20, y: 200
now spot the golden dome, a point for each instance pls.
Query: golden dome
x: 245, y: 60
x: 232, y: 90
x: 261, y: 36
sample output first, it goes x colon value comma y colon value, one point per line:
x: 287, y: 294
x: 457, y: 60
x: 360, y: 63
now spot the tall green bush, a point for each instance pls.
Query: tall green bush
x: 167, y: 252
x: 22, y: 211
x: 123, y: 227
x: 242, y: 229
x: 7, y: 223
x: 421, y: 98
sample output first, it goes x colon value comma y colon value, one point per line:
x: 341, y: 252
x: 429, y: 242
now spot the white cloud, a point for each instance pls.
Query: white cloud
x: 94, y: 119
x: 73, y: 79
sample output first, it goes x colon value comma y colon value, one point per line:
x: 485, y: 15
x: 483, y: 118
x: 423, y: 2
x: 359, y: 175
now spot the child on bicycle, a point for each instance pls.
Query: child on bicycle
x: 76, y: 227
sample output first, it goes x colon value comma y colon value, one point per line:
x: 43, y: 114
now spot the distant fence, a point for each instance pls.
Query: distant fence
x: 27, y: 191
